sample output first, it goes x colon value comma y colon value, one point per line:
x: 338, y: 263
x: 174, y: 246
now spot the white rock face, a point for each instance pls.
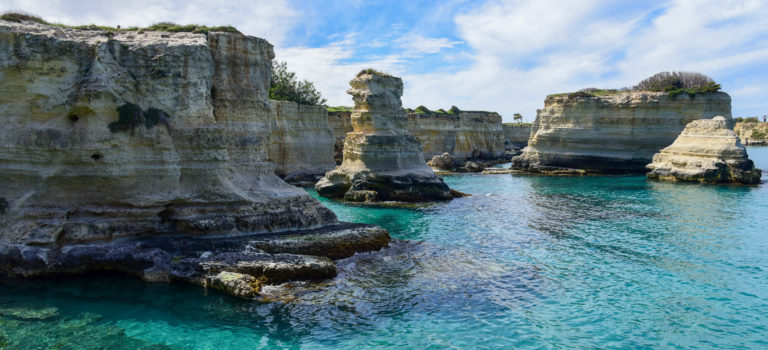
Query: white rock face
x: 341, y: 123
x: 516, y: 135
x: 381, y: 161
x: 707, y: 151
x: 302, y: 142
x: 74, y: 170
x: 463, y: 134
x: 616, y: 133
x: 752, y: 133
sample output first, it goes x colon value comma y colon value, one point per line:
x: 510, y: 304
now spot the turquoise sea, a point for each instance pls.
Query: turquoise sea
x: 526, y: 262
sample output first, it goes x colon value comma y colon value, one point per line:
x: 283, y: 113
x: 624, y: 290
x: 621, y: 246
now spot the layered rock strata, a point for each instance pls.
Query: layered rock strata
x: 463, y: 134
x: 381, y: 161
x: 707, y: 151
x: 614, y: 133
x: 111, y: 135
x: 301, y: 144
x: 515, y: 135
x: 341, y: 123
x: 752, y: 133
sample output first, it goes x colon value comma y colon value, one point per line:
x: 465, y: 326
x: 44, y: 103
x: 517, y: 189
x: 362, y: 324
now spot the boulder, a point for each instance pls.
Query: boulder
x: 442, y: 162
x: 707, y: 151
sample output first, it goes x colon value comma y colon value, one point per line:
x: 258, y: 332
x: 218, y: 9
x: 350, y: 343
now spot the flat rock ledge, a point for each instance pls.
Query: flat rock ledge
x: 707, y: 151
x: 239, y: 266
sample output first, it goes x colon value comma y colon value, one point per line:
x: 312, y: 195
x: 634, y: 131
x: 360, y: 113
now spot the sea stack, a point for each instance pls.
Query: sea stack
x: 611, y: 131
x: 707, y: 151
x: 382, y: 162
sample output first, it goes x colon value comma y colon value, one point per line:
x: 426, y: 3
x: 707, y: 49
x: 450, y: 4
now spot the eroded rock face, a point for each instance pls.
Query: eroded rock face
x: 617, y: 133
x: 74, y: 171
x: 135, y: 136
x: 341, y: 123
x: 302, y: 142
x: 464, y: 134
x: 707, y: 151
x: 515, y: 135
x: 752, y: 133
x: 236, y: 265
x: 381, y: 161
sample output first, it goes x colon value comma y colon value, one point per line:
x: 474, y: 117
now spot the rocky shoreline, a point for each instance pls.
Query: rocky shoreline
x: 236, y: 265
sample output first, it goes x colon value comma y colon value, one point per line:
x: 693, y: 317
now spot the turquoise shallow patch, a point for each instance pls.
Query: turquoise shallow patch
x: 526, y: 262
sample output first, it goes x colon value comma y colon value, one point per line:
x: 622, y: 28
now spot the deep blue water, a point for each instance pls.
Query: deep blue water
x: 526, y: 262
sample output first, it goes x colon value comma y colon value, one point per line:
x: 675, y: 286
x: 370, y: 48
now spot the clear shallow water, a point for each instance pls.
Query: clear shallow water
x: 526, y: 262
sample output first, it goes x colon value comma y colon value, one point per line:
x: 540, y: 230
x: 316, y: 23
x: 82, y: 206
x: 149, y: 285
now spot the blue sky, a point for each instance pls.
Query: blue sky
x: 504, y: 56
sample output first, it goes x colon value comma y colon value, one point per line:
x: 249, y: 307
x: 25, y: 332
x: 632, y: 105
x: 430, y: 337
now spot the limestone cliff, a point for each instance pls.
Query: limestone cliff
x: 341, y: 123
x: 133, y: 135
x: 516, y: 135
x: 463, y: 134
x: 381, y: 161
x: 301, y: 144
x: 706, y: 151
x: 752, y: 133
x: 613, y: 133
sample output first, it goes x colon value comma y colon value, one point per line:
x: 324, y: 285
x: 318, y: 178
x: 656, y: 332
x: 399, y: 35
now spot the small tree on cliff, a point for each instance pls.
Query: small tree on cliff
x: 518, y: 117
x: 285, y: 87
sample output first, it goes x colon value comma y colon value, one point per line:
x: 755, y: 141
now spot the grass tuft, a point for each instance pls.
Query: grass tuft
x: 20, y: 16
x: 373, y: 72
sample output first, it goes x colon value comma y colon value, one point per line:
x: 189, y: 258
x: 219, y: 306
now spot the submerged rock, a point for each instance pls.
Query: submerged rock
x: 614, y: 133
x: 707, y: 151
x: 381, y: 161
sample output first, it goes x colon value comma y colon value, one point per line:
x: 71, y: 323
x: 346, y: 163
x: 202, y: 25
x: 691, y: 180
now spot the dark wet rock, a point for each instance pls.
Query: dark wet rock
x: 236, y: 265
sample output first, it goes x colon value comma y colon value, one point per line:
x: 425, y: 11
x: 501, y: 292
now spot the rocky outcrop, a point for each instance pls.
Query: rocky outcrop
x: 515, y: 135
x: 341, y: 123
x: 613, y: 133
x: 463, y: 134
x: 752, y: 133
x: 126, y: 135
x: 301, y: 144
x: 707, y: 151
x: 381, y: 161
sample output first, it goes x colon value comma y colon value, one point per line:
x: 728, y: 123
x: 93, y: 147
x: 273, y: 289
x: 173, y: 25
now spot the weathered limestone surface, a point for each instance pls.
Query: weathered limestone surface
x: 341, y: 123
x: 301, y: 144
x: 707, y: 151
x: 187, y: 156
x: 752, y: 133
x: 464, y: 134
x: 617, y: 133
x: 381, y: 161
x: 515, y: 135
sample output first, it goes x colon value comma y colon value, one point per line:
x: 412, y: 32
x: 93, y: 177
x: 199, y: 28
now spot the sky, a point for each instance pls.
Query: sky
x: 503, y: 56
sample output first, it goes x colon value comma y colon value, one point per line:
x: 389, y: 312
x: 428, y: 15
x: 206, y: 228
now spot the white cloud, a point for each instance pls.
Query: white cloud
x: 416, y: 44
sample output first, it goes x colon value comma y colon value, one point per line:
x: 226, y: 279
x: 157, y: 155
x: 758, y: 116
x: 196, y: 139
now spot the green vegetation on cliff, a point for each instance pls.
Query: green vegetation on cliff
x: 284, y: 86
x: 339, y: 109
x: 673, y: 83
x: 373, y: 72
x: 16, y: 16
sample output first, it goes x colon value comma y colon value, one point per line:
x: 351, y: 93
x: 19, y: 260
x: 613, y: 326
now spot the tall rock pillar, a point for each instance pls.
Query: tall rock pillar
x: 382, y: 162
